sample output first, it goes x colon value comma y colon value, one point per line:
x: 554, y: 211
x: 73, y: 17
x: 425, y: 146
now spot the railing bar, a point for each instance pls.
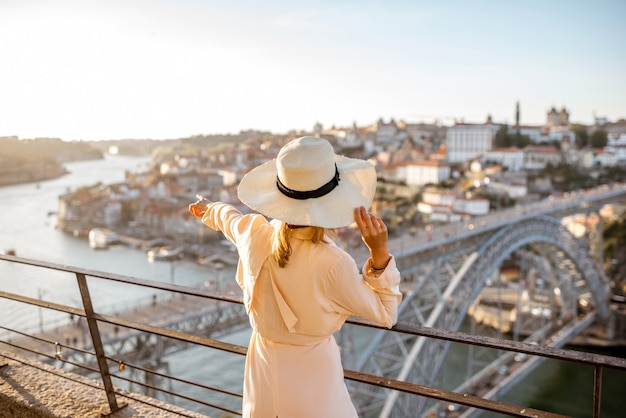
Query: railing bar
x: 124, y: 279
x: 407, y: 328
x: 178, y: 335
x: 597, y: 390
x: 114, y: 360
x: 429, y: 392
x: 176, y: 394
x: 449, y: 396
x: 417, y: 330
x: 69, y: 347
x: 23, y: 334
x: 598, y: 361
x: 411, y: 329
x: 508, y: 345
x: 92, y: 324
x: 117, y: 361
x: 33, y: 365
x: 91, y: 369
x: 42, y: 303
x: 178, y: 379
x: 80, y: 366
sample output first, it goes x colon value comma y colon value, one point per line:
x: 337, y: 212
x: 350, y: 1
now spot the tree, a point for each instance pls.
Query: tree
x: 599, y: 139
x: 521, y: 141
x: 502, y: 139
x: 582, y: 136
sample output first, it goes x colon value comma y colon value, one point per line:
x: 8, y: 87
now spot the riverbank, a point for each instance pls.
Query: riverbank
x: 31, y: 173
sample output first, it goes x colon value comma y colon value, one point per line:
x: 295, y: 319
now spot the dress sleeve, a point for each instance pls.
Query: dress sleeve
x: 250, y: 234
x: 359, y: 294
x: 222, y: 217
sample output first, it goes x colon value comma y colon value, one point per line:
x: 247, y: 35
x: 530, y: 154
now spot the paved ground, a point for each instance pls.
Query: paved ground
x: 32, y: 389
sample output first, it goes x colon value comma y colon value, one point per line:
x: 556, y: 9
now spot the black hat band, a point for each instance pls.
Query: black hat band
x: 311, y: 194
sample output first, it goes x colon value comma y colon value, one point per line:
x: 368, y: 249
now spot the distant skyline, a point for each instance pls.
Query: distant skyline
x: 165, y: 69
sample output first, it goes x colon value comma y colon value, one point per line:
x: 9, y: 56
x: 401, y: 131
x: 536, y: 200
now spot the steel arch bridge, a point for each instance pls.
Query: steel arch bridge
x: 443, y: 281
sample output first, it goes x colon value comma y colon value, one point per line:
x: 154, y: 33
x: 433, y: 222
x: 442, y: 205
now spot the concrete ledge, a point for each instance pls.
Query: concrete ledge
x: 30, y: 389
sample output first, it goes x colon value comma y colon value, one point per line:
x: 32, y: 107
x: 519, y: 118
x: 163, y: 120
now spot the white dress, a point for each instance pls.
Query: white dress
x: 293, y: 367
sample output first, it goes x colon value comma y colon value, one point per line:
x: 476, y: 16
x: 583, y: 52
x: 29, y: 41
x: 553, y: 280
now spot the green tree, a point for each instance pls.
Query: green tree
x: 502, y: 139
x: 582, y: 136
x: 599, y: 139
x: 520, y: 140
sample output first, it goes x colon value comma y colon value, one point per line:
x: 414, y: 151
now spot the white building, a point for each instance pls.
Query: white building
x: 438, y: 198
x: 514, y: 191
x: 111, y: 213
x: 534, y: 133
x: 425, y: 172
x: 447, y: 206
x: 559, y: 134
x: 437, y: 206
x: 616, y: 139
x: 537, y: 157
x: 474, y: 207
x: 595, y: 158
x: 512, y: 158
x: 438, y: 213
x: 468, y: 141
x: 543, y: 135
x: 619, y: 151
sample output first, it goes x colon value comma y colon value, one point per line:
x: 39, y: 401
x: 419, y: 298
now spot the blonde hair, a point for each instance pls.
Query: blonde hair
x: 281, y: 249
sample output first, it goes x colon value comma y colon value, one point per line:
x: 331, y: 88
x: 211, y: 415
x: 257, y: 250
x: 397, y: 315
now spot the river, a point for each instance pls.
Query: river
x: 27, y: 225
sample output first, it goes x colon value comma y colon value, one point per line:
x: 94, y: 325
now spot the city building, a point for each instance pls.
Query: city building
x: 469, y: 141
x: 386, y: 132
x: 425, y: 172
x: 447, y: 206
x: 556, y: 118
x: 511, y: 158
x: 538, y: 156
x: 599, y: 158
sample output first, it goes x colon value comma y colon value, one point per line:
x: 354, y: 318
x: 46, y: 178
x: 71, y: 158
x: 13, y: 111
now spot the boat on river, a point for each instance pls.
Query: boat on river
x: 166, y: 253
x: 101, y: 238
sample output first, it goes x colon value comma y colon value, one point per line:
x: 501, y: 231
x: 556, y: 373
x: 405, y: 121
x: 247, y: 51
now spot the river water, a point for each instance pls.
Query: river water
x: 27, y: 225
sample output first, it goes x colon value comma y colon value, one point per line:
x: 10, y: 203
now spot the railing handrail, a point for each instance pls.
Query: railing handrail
x: 596, y: 360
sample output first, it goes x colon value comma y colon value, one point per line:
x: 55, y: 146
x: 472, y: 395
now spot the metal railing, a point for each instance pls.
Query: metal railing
x: 95, y: 320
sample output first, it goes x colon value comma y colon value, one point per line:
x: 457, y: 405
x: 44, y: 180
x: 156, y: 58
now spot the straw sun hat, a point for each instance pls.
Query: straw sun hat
x: 308, y: 184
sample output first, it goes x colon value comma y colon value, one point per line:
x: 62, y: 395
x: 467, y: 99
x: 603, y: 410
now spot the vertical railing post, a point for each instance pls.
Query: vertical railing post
x: 597, y: 390
x: 97, y: 343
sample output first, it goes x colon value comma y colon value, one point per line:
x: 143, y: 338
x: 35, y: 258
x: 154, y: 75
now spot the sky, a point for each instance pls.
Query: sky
x: 167, y: 69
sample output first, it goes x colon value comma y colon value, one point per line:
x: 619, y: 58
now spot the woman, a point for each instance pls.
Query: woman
x: 298, y: 286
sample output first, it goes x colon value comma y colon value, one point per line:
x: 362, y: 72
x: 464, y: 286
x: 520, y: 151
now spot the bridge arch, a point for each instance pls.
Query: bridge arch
x: 541, y: 229
x: 422, y: 358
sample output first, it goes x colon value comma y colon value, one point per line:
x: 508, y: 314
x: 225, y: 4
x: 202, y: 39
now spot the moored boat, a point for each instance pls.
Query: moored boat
x: 166, y: 253
x: 101, y: 238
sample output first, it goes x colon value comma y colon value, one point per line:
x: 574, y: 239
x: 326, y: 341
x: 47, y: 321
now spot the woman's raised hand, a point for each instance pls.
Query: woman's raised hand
x: 198, y: 208
x: 375, y: 236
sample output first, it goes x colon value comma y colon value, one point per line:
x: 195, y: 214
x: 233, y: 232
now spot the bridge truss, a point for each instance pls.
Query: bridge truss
x: 442, y: 283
